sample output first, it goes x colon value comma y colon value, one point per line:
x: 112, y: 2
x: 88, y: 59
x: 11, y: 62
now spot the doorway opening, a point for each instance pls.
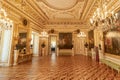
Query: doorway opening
x: 34, y: 46
x: 53, y: 45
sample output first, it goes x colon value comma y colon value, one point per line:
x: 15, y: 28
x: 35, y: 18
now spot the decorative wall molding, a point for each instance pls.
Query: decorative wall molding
x: 65, y: 23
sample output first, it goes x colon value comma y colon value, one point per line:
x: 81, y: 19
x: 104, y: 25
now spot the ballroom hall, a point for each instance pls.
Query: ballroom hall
x: 59, y: 39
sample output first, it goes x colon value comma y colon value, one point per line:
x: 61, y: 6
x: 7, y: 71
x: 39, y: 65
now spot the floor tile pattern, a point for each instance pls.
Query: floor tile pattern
x: 78, y: 67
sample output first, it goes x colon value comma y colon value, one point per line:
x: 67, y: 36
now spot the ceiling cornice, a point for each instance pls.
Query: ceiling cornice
x: 66, y: 28
x: 65, y: 23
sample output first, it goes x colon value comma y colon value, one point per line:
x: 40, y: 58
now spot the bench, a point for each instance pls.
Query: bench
x: 65, y: 51
x: 89, y: 54
x: 111, y: 64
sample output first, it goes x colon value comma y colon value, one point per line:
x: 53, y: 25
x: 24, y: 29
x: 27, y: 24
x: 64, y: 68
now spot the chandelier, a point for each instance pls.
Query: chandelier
x: 44, y: 34
x: 102, y: 16
x: 5, y: 23
x: 81, y: 34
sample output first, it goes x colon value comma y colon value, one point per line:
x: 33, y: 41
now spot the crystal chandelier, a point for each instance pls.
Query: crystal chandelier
x: 102, y: 16
x: 44, y: 34
x: 5, y: 23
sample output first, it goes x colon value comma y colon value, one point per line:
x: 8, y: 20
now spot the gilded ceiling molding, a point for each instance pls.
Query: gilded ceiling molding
x: 51, y: 12
x: 47, y: 11
x: 35, y: 14
x: 18, y: 11
x: 85, y: 4
x: 89, y: 6
x: 11, y: 14
x: 66, y: 28
x: 55, y: 6
x: 78, y: 5
x: 35, y: 28
x: 66, y: 23
x: 85, y: 7
x: 89, y: 10
x: 26, y: 9
x: 35, y: 7
x: 59, y: 15
x: 39, y: 9
x: 115, y: 7
x: 111, y: 3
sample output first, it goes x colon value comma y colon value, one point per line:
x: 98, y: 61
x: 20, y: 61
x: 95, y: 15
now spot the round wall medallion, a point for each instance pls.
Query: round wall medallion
x: 24, y: 22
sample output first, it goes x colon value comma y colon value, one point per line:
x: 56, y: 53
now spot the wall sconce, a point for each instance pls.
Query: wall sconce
x: 44, y: 34
x: 81, y: 34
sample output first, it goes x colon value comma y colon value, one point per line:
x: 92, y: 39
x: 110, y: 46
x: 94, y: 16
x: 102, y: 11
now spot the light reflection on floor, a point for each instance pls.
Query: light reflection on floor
x: 54, y: 67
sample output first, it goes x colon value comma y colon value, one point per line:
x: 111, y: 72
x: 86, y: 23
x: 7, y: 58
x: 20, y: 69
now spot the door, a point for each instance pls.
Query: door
x: 79, y: 45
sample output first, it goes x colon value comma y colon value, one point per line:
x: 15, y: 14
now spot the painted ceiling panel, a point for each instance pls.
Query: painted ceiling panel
x: 60, y: 4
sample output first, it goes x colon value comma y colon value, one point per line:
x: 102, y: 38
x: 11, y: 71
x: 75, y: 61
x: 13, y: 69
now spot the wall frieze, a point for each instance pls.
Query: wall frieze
x: 65, y: 23
x: 65, y: 29
x: 67, y: 26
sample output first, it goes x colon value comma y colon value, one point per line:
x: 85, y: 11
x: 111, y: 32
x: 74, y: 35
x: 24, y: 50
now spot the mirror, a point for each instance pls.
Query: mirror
x: 22, y: 40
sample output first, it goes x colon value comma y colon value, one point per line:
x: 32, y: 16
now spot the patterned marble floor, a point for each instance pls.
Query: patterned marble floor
x: 78, y: 67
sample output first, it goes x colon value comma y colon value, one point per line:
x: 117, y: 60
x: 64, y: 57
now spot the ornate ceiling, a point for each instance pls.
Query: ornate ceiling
x: 62, y: 9
x: 59, y: 12
x: 60, y: 4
